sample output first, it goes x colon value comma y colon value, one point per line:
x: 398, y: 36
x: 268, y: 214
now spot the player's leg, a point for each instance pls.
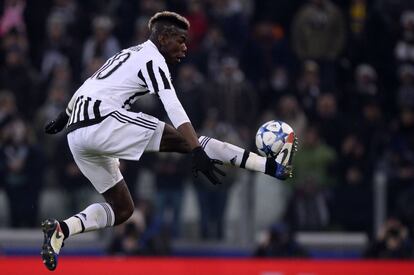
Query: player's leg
x: 172, y: 141
x: 103, y: 172
x: 279, y: 167
x: 118, y: 208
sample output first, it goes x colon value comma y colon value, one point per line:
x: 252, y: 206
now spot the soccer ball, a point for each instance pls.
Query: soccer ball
x: 271, y: 136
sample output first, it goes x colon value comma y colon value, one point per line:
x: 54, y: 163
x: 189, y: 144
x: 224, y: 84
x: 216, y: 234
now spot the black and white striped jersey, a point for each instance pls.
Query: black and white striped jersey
x: 124, y: 78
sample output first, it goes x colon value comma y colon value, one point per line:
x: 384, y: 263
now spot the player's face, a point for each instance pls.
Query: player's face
x: 175, y: 46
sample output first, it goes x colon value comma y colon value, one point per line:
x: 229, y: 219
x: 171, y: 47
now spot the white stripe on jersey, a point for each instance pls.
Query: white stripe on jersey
x: 85, y: 109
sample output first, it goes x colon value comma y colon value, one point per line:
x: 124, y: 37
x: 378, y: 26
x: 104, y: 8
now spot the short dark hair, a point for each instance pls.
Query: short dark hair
x: 168, y: 18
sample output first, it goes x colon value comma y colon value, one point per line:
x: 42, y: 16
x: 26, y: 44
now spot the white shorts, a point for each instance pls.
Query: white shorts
x: 97, y: 149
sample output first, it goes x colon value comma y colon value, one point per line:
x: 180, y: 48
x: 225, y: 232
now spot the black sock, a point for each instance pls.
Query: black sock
x: 65, y: 229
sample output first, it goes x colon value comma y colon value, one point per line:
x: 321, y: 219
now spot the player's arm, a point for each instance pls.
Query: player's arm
x: 201, y: 162
x: 156, y: 77
x: 186, y: 130
x: 178, y: 117
x: 59, y: 123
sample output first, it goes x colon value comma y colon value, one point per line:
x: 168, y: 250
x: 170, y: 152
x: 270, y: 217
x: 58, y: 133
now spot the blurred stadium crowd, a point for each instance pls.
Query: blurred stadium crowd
x: 341, y: 73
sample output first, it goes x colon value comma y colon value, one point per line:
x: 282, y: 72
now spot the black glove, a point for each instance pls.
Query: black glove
x: 206, y: 165
x: 57, y: 125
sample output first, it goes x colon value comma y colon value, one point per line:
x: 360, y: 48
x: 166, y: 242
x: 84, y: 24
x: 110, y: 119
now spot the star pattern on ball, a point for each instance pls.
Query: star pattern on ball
x: 280, y: 134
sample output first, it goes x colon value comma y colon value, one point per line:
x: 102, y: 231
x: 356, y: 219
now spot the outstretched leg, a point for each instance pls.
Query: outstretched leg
x: 230, y: 154
x: 280, y: 168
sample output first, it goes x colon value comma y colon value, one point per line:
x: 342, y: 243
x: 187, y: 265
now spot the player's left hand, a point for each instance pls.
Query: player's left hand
x: 57, y: 125
x: 202, y: 163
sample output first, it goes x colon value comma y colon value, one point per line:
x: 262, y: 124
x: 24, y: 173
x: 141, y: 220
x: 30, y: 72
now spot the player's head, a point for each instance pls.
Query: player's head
x: 169, y: 31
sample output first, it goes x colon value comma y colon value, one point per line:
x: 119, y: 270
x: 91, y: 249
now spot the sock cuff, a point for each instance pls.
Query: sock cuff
x: 65, y: 229
x: 109, y: 213
x: 244, y: 159
x: 203, y: 141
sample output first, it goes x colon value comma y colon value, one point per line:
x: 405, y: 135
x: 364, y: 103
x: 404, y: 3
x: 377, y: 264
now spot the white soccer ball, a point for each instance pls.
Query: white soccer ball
x: 271, y: 136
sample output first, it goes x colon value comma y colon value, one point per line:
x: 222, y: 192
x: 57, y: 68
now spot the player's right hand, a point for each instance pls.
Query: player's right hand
x: 202, y: 163
x: 57, y: 125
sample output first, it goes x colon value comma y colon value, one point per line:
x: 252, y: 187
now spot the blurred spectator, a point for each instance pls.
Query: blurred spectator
x: 392, y: 242
x: 309, y: 87
x: 392, y: 11
x: 140, y: 235
x: 232, y: 95
x: 404, y: 208
x: 213, y: 48
x: 318, y: 33
x: 289, y: 111
x: 141, y: 32
x: 198, y: 22
x: 21, y: 170
x: 169, y: 180
x: 12, y: 17
x: 279, y: 84
x: 266, y: 50
x: 92, y: 66
x: 126, y: 14
x: 365, y: 81
x: 102, y: 44
x: 369, y: 128
x: 231, y: 17
x: 328, y: 117
x: 62, y: 76
x: 278, y: 242
x: 8, y: 109
x: 405, y: 93
x: 213, y: 199
x: 70, y: 12
x: 149, y: 7
x: 364, y: 89
x: 400, y: 157
x: 56, y: 101
x: 357, y: 24
x: 191, y: 89
x: 313, y: 164
x: 14, y: 39
x: 59, y: 49
x: 355, y: 181
x: 21, y: 79
x: 353, y: 153
x: 68, y: 175
x: 358, y: 12
x: 404, y: 50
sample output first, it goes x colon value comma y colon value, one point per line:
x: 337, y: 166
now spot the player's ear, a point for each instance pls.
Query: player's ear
x: 162, y: 38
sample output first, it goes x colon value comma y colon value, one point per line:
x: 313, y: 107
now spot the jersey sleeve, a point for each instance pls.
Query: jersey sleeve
x: 157, y: 78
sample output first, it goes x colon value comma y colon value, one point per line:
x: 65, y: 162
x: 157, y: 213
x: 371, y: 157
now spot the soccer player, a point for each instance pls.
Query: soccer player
x: 101, y: 130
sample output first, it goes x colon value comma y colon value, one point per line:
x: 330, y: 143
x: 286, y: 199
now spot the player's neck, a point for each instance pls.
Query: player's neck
x: 154, y: 41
